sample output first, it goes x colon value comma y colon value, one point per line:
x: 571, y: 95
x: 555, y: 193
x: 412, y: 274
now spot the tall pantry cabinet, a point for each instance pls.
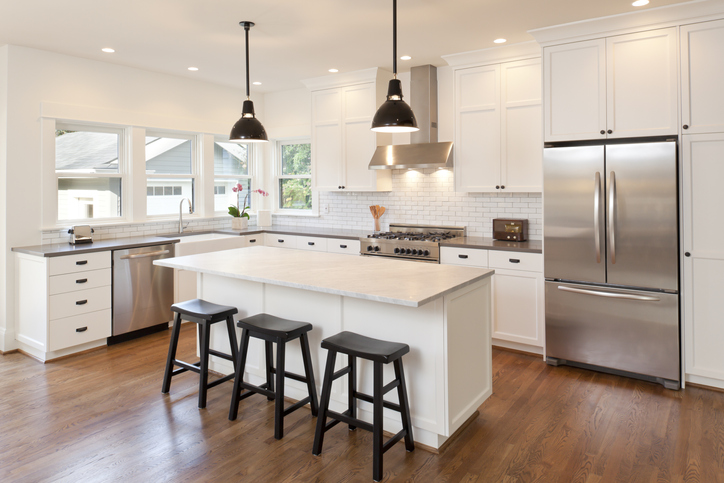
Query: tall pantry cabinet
x: 702, y: 103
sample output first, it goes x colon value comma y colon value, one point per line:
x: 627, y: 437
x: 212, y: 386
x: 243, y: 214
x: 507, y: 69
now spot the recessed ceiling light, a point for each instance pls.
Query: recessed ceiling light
x: 333, y: 70
x: 640, y: 3
x: 405, y: 57
x: 193, y: 68
x: 499, y: 41
x: 108, y: 50
x: 257, y: 83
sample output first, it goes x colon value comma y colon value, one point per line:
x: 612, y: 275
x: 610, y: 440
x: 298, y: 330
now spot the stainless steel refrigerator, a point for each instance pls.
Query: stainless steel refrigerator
x: 610, y: 232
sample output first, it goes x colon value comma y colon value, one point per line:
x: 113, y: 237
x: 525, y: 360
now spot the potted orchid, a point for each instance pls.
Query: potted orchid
x: 241, y: 217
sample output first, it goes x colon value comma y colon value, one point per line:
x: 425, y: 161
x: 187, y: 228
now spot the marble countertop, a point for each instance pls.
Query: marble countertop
x: 61, y: 249
x: 400, y: 282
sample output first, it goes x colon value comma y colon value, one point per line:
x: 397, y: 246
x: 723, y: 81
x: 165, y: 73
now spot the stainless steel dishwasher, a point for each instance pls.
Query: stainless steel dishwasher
x: 142, y: 292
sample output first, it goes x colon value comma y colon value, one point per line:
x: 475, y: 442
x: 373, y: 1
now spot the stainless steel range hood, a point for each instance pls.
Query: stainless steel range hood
x: 424, y: 150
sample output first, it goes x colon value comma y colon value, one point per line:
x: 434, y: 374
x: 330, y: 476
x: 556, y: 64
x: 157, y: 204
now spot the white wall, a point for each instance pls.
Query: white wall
x: 88, y: 91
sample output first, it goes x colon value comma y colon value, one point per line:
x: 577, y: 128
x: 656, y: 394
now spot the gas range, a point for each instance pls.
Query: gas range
x: 412, y: 242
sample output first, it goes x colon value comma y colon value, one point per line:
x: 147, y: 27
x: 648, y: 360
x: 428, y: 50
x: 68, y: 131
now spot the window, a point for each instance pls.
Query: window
x: 231, y: 167
x: 170, y: 172
x: 89, y: 171
x: 295, y: 175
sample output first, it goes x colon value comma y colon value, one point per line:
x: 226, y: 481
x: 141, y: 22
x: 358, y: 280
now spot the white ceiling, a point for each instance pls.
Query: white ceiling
x: 292, y: 40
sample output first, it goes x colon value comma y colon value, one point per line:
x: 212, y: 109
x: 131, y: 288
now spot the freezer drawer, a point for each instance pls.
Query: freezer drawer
x: 626, y: 330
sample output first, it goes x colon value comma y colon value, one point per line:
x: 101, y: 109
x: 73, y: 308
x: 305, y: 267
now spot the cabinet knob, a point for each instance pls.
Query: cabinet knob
x: 497, y: 187
x: 462, y: 256
x: 687, y: 254
x: 603, y: 131
x: 343, y: 246
x: 311, y: 244
x: 253, y: 240
x: 81, y: 329
x: 280, y: 240
x: 502, y: 186
x: 610, y: 131
x: 685, y: 126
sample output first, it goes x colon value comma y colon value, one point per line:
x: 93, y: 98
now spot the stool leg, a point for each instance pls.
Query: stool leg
x: 279, y: 392
x: 324, y: 403
x: 309, y: 370
x: 377, y: 423
x: 172, y: 346
x: 352, y: 383
x: 204, y: 363
x: 404, y: 405
x: 232, y: 339
x: 269, y: 354
x: 239, y: 375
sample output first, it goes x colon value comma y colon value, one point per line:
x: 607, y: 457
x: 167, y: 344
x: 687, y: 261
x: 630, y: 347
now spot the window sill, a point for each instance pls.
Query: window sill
x: 296, y: 213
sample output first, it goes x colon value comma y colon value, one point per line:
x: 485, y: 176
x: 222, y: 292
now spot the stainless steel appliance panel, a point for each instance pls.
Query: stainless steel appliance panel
x: 142, y: 292
x: 628, y: 330
x: 573, y: 208
x: 641, y: 215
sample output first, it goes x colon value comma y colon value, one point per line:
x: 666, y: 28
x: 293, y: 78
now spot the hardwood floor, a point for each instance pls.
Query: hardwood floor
x: 101, y: 416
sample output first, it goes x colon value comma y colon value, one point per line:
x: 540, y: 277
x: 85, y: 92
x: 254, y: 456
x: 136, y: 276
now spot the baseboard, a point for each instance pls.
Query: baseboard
x: 519, y: 348
x: 705, y: 383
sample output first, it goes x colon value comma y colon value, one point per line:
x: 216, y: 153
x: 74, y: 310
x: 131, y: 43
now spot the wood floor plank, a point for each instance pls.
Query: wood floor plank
x: 100, y: 416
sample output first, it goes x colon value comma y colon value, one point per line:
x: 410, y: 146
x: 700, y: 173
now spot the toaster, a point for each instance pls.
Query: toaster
x: 81, y: 234
x: 510, y: 229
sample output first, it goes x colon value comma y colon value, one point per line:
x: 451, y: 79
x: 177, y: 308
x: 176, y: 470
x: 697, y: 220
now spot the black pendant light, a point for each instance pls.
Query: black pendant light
x: 394, y: 115
x: 247, y: 129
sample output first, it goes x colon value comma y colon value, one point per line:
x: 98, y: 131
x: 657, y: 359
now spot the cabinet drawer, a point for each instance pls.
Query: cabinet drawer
x: 529, y: 262
x: 314, y: 243
x: 469, y: 257
x: 72, y: 282
x: 281, y: 241
x: 339, y: 245
x: 80, y: 302
x: 79, y: 263
x: 80, y: 329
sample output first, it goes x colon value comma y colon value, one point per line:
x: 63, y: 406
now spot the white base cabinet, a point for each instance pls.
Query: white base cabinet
x: 518, y: 294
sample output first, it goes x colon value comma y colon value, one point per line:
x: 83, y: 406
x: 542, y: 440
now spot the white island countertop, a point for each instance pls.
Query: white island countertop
x: 400, y: 282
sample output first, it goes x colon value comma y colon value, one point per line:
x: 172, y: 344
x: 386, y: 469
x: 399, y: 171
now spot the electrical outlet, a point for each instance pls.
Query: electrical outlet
x: 325, y: 209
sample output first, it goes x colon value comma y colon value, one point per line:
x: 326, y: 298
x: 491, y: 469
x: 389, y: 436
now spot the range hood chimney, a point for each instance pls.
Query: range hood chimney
x: 424, y: 150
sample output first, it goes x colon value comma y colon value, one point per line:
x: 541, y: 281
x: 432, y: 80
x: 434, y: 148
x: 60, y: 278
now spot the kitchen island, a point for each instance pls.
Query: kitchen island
x: 442, y: 312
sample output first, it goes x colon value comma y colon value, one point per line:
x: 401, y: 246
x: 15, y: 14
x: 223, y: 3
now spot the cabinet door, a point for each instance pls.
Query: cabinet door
x: 477, y: 129
x: 522, y: 146
x: 518, y: 311
x: 574, y: 77
x: 704, y: 269
x: 641, y: 84
x: 359, y: 140
x: 327, y: 139
x: 702, y: 77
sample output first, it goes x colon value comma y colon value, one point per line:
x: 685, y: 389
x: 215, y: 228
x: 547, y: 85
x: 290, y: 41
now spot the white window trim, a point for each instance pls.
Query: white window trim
x: 276, y: 192
x: 50, y: 183
x: 253, y: 181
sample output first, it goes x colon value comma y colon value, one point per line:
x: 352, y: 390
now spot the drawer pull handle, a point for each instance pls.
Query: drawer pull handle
x: 81, y: 302
x: 252, y: 241
x: 343, y: 246
x: 81, y: 262
x: 81, y: 329
x: 462, y: 256
x: 311, y: 244
x: 513, y: 260
x: 81, y: 280
x: 280, y: 240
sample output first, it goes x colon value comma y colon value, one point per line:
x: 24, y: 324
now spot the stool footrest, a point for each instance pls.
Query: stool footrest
x: 220, y: 381
x: 221, y: 354
x: 297, y: 405
x: 391, y: 442
x: 369, y: 399
x: 290, y: 375
x: 345, y: 418
x: 254, y: 389
x: 185, y: 366
x: 341, y: 372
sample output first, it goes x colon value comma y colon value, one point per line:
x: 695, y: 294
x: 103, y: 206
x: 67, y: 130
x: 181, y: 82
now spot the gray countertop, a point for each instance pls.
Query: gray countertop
x: 531, y: 246
x: 61, y: 249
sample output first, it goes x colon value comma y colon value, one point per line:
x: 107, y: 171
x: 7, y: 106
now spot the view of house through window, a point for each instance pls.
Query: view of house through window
x: 170, y: 173
x: 231, y: 167
x: 88, y: 172
x: 295, y: 176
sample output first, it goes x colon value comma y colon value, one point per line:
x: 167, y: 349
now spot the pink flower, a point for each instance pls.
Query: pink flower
x: 238, y: 188
x: 261, y: 192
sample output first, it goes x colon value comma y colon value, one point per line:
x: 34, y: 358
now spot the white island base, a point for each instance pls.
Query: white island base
x: 449, y: 366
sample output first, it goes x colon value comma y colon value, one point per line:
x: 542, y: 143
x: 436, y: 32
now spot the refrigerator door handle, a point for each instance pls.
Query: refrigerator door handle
x: 612, y: 216
x: 598, y: 293
x: 597, y: 215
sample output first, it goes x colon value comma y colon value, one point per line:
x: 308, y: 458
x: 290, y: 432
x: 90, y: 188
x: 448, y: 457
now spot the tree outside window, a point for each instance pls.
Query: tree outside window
x: 295, y: 176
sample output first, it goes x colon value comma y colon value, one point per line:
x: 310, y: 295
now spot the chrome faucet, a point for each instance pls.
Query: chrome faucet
x: 181, y: 214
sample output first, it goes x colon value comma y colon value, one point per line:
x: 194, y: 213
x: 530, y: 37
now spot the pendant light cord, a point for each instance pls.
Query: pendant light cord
x: 246, y: 31
x: 394, y: 38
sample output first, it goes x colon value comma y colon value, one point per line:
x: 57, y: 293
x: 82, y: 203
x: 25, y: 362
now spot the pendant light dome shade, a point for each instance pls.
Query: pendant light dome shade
x: 394, y: 115
x: 248, y: 129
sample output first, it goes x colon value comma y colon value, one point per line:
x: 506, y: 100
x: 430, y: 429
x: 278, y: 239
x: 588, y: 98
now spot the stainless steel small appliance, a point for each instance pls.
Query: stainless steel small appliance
x: 510, y: 229
x: 81, y: 234
x: 420, y: 243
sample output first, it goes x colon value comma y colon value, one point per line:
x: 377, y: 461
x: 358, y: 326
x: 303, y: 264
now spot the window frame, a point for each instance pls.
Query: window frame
x: 278, y: 176
x: 123, y: 172
x: 250, y: 156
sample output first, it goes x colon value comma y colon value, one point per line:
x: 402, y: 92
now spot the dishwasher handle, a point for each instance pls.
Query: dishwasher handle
x: 144, y: 255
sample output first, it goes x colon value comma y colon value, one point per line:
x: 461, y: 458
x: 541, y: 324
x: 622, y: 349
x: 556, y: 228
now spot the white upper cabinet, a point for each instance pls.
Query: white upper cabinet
x: 618, y: 87
x: 702, y: 77
x: 342, y: 142
x: 498, y: 127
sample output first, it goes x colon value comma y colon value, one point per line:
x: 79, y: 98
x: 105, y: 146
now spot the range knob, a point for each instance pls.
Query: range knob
x: 369, y: 248
x: 397, y: 250
x: 426, y: 253
x: 414, y: 251
x: 408, y: 251
x: 377, y: 248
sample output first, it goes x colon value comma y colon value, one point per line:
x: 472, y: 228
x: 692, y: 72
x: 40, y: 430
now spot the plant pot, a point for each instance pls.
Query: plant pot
x: 239, y: 223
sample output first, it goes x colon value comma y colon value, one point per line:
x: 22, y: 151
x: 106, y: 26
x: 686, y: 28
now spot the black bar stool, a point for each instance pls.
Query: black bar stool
x: 271, y: 330
x: 205, y: 314
x: 379, y: 352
